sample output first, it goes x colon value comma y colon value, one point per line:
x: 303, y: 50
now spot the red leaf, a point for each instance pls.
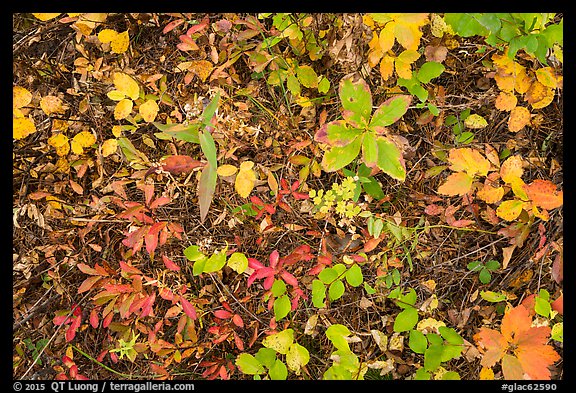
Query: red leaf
x: 222, y: 314
x: 161, y: 201
x: 274, y: 257
x: 170, y: 264
x: 558, y: 304
x: 199, y: 27
x: 433, y: 209
x: 238, y: 341
x: 166, y: 294
x: 126, y: 268
x: 88, y: 284
x: 462, y: 223
x: 289, y: 278
x: 170, y: 26
x: 148, y: 193
x: 147, y: 305
x: 188, y: 308
x: 237, y: 320
x: 94, y: 319
x: 371, y: 244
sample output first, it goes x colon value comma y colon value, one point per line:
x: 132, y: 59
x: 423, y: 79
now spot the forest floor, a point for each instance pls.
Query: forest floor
x: 102, y: 287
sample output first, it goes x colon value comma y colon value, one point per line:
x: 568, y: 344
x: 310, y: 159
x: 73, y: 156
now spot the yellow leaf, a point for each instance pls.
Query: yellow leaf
x: 539, y: 96
x: 386, y: 37
x: 20, y: 97
x: 280, y: 342
x: 44, y: 16
x: 117, y: 131
x: 81, y: 140
x: 148, y: 110
x: 52, y: 104
x: 519, y: 117
x: 60, y: 143
x: 506, y: 101
x: 22, y: 127
x: 404, y: 70
x: 387, y: 67
x: 510, y: 210
x: 116, y: 95
x: 458, y: 183
x: 547, y: 77
x: 475, y: 121
x: 297, y: 357
x: 107, y: 35
x: 486, y: 374
x: 226, y: 170
x: 245, y: 179
x: 202, y: 68
x: 109, y: 147
x: 375, y: 53
x: 120, y: 43
x: 123, y: 109
x: 469, y: 160
x: 124, y: 83
x: 511, y: 169
x: 408, y: 35
x: 522, y: 81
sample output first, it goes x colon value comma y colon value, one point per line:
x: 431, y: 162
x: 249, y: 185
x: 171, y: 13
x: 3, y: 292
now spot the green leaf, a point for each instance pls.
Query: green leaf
x: 209, y: 112
x: 406, y: 320
x: 451, y: 376
x: 248, y: 364
x: 282, y: 307
x: 318, y: 294
x: 407, y: 300
x: 336, y: 290
x: 354, y: 276
x: 369, y: 149
x: 338, y: 157
x: 421, y: 375
x: 390, y: 111
x: 485, y: 276
x: 215, y: 262
x: 492, y: 265
x: 450, y: 335
x: 238, y: 262
x: 373, y: 189
x: 327, y: 275
x: 297, y: 357
x: 278, y: 288
x: 433, y: 357
x: 192, y: 253
x: 266, y: 356
x: 542, y: 307
x: 323, y: 85
x: 356, y: 100
x: 337, y: 333
x: 475, y: 266
x: 206, y: 188
x: 465, y: 25
x: 278, y: 371
x: 417, y: 341
x: 492, y: 296
x: 182, y: 132
x: 307, y: 76
x: 557, y: 332
x: 429, y: 71
x: 293, y: 85
x: 198, y: 267
x: 390, y: 159
x: 208, y: 147
x: 339, y: 134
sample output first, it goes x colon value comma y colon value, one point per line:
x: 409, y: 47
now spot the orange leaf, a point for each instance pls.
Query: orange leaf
x: 519, y: 117
x: 515, y: 322
x: 468, y: 160
x: 506, y: 101
x: 490, y: 194
x: 458, y: 183
x: 511, y: 169
x: 180, y: 164
x: 493, y: 343
x: 544, y: 194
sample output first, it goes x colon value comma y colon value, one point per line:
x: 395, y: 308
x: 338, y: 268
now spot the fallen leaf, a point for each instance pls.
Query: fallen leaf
x: 458, y: 183
x: 20, y: 97
x: 519, y: 117
x: 506, y: 101
x: 178, y: 164
x: 475, y: 121
x: 148, y: 110
x: 123, y: 109
x: 125, y: 84
x: 245, y: 180
x: 120, y: 43
x: 226, y: 170
x: 544, y: 194
x: 22, y: 127
x: 109, y: 147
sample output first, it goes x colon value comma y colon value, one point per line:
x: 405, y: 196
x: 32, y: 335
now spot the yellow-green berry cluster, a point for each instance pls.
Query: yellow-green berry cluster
x: 338, y: 198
